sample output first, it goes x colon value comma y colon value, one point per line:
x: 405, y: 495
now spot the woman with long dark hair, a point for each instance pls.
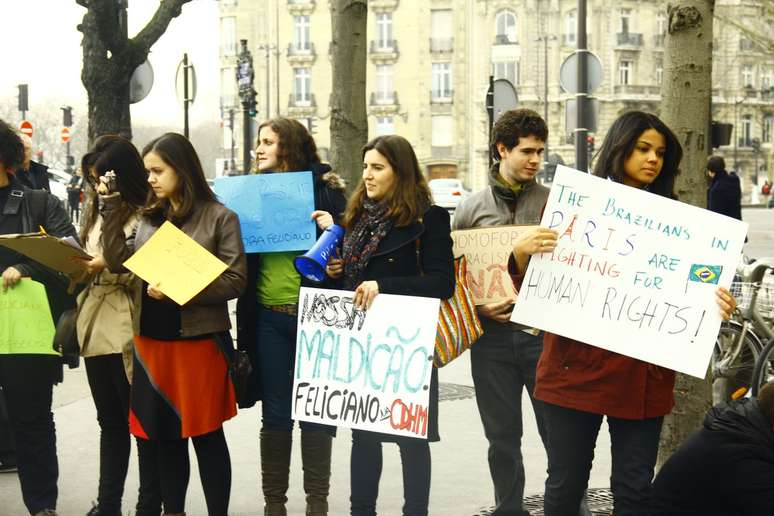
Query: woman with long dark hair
x: 105, y: 323
x: 180, y: 382
x: 266, y: 321
x: 581, y: 384
x: 396, y: 242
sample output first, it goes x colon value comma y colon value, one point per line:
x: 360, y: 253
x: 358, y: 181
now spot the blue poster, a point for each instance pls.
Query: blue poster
x: 273, y: 210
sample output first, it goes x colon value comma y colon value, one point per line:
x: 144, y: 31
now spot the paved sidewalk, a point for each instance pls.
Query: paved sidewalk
x: 460, y: 486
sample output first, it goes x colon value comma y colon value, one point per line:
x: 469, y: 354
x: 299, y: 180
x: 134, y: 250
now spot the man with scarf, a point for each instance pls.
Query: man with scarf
x: 504, y: 359
x: 726, y: 467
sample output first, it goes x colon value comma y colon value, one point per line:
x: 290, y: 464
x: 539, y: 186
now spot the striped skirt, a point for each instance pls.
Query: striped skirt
x: 180, y: 388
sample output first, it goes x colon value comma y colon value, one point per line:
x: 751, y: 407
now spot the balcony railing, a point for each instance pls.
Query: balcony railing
x: 569, y: 40
x: 629, y: 39
x: 441, y: 96
x: 441, y: 44
x: 658, y: 40
x: 384, y: 98
x: 384, y: 46
x: 636, y: 89
x: 301, y: 49
x: 744, y: 142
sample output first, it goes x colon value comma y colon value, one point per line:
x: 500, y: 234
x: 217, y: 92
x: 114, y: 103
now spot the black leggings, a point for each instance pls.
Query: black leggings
x: 175, y: 468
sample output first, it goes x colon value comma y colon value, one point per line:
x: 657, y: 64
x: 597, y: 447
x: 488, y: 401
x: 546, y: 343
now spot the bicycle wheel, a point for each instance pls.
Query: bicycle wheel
x: 733, y: 360
x: 764, y: 368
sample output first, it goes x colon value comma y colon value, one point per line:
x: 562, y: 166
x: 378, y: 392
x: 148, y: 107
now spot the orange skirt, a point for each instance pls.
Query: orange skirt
x: 180, y: 388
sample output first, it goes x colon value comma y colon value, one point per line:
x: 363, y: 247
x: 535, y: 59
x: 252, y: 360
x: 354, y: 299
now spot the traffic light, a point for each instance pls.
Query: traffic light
x: 24, y: 104
x: 67, y: 116
x: 590, y: 141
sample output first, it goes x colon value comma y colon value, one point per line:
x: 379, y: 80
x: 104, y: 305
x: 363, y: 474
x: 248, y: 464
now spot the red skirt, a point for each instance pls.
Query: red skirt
x: 180, y: 388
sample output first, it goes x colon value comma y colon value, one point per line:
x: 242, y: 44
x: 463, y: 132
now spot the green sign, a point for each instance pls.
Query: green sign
x: 26, y: 326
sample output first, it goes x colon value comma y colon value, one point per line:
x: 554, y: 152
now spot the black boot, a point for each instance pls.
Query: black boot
x: 316, y: 457
x: 275, y: 469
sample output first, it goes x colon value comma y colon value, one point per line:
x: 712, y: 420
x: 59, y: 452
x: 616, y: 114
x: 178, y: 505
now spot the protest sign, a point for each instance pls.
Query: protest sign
x: 633, y: 272
x: 274, y: 210
x: 487, y: 251
x: 364, y: 369
x: 175, y: 263
x: 26, y: 326
x: 60, y: 254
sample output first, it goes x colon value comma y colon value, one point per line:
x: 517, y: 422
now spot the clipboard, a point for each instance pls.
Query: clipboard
x: 55, y: 253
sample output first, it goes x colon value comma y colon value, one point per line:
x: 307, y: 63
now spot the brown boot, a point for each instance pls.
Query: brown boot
x: 275, y: 469
x: 316, y: 457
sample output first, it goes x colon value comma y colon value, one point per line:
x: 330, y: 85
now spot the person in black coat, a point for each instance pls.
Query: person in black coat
x: 396, y: 242
x: 727, y: 467
x: 266, y: 327
x: 725, y: 193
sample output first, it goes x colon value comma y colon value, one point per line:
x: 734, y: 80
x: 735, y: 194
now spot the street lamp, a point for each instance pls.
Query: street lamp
x: 245, y: 75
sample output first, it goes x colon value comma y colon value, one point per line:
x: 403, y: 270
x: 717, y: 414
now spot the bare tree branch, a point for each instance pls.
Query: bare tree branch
x: 168, y: 9
x: 751, y: 28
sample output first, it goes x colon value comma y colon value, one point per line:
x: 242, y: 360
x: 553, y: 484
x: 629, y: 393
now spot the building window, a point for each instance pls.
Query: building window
x: 748, y: 81
x: 302, y: 86
x: 626, y: 20
x: 506, y: 70
x: 768, y: 128
x: 661, y: 24
x: 625, y: 69
x: 384, y: 125
x: 442, y: 81
x: 659, y: 73
x: 570, y: 27
x: 384, y: 84
x: 384, y: 30
x: 301, y: 36
x: 443, y: 131
x: 505, y: 25
x: 228, y: 91
x: 767, y: 79
x: 747, y: 130
x: 228, y: 43
x: 440, y: 30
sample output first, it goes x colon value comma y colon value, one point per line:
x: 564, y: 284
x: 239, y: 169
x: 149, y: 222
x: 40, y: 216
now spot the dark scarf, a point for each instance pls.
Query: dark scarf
x: 362, y: 241
x: 506, y: 191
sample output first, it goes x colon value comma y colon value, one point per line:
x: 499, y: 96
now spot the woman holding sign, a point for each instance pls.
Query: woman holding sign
x: 397, y: 242
x: 581, y: 384
x: 266, y: 322
x: 180, y: 382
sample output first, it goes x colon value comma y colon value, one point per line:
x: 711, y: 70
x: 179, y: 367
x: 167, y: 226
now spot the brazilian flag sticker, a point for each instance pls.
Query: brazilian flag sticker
x: 705, y: 273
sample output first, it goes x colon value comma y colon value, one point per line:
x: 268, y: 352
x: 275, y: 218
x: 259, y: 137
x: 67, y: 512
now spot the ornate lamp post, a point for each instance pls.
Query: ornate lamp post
x: 245, y: 74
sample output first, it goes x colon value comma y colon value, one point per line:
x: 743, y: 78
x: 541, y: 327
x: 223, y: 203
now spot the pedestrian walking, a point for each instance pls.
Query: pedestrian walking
x: 27, y: 380
x: 505, y: 357
x: 581, y: 384
x: 266, y: 321
x: 74, y: 195
x: 724, y: 194
x: 180, y: 383
x: 104, y: 324
x: 396, y: 242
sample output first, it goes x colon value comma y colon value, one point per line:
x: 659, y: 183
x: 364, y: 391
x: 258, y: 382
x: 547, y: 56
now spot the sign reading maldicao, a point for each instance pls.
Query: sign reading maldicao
x: 634, y: 273
x: 364, y: 369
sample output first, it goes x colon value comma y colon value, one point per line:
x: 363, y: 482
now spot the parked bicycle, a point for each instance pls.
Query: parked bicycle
x: 740, y: 341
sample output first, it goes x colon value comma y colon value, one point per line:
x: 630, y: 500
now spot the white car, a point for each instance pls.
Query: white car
x: 447, y: 193
x: 58, y: 180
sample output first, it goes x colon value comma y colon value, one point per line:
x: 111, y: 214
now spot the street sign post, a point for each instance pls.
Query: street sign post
x: 26, y: 128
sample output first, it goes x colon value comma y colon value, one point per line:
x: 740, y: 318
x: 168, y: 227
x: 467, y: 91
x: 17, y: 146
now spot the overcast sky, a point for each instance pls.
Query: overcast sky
x: 42, y: 47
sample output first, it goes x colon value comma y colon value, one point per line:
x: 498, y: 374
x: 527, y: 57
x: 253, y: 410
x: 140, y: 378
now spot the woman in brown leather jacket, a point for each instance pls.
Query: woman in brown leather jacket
x: 180, y: 383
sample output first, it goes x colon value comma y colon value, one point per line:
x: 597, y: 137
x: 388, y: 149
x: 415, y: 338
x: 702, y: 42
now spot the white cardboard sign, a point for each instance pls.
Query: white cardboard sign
x: 633, y: 272
x: 364, y: 369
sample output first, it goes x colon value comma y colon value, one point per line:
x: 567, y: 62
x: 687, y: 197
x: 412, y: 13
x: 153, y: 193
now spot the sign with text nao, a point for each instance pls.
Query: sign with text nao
x: 633, y: 272
x: 273, y: 210
x: 487, y: 251
x: 368, y: 370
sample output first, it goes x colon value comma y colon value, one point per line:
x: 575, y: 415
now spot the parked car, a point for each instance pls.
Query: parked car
x: 447, y: 193
x: 58, y: 181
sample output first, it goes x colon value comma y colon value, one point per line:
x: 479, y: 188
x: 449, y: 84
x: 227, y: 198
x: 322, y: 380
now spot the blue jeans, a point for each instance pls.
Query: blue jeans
x: 572, y: 436
x: 503, y: 363
x: 277, y: 359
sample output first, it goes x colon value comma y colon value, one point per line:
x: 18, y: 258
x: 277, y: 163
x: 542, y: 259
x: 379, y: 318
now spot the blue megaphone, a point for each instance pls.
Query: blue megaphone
x: 312, y: 264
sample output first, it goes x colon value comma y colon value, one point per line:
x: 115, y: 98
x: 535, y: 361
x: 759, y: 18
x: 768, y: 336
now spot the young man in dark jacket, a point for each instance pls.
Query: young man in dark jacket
x: 725, y: 193
x: 27, y: 380
x: 727, y: 467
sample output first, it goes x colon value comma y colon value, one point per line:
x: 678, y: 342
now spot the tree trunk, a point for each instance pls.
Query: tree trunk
x: 110, y: 58
x: 686, y: 109
x: 349, y: 122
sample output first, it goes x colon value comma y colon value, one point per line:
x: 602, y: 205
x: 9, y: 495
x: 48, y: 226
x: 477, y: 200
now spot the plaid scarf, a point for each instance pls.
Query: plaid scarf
x: 362, y: 241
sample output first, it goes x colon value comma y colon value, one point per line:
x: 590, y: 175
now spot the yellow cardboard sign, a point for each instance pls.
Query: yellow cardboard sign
x: 175, y: 263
